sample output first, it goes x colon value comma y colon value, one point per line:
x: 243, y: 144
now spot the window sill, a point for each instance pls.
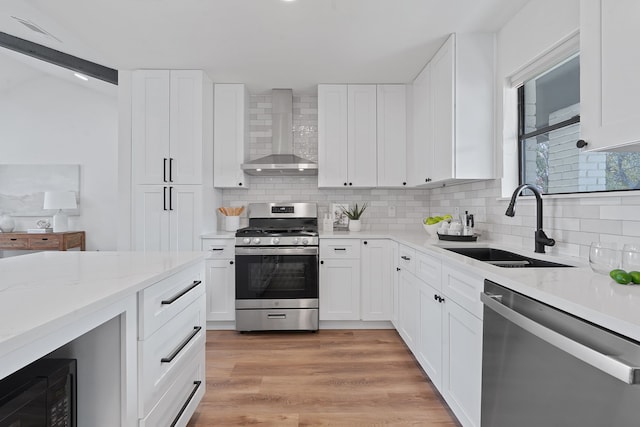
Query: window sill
x: 623, y: 193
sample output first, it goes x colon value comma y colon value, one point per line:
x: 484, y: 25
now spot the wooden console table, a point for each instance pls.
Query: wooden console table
x: 42, y: 241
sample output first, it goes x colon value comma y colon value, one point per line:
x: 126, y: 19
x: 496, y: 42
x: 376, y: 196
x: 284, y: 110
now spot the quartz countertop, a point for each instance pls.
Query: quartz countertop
x: 44, y: 291
x: 576, y: 290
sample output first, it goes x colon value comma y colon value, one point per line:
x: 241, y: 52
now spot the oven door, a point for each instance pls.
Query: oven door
x: 282, y: 273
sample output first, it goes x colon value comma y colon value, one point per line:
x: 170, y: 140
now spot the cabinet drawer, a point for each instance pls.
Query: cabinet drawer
x: 44, y: 242
x: 428, y: 269
x: 179, y: 402
x: 163, y: 355
x: 219, y: 248
x: 163, y: 300
x: 7, y: 242
x: 339, y: 248
x: 406, y: 259
x: 463, y: 288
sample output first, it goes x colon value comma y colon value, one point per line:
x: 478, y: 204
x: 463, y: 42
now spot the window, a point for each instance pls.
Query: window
x: 548, y: 129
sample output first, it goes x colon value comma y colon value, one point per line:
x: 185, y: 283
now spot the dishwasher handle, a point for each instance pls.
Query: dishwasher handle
x: 608, y: 364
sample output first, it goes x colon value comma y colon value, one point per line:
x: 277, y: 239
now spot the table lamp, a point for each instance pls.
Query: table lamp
x: 60, y: 200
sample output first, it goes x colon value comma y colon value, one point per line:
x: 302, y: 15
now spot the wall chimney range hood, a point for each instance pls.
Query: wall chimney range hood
x: 282, y: 161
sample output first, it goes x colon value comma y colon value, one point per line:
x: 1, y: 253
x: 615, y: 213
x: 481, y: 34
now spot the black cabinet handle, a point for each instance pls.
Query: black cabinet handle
x: 345, y: 184
x: 339, y: 249
x: 14, y: 239
x: 231, y: 262
x: 181, y: 293
x: 182, y: 345
x: 406, y: 258
x: 397, y: 268
x: 435, y: 297
x: 186, y: 404
x: 365, y: 242
x: 45, y: 238
x: 164, y: 198
x: 321, y: 262
x: 170, y: 198
x: 164, y: 170
x: 217, y: 249
x: 581, y: 143
x: 351, y: 183
x: 240, y: 184
x: 404, y: 183
x: 170, y: 169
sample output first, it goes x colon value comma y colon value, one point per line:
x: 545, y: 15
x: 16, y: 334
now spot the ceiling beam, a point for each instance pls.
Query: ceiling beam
x: 61, y: 59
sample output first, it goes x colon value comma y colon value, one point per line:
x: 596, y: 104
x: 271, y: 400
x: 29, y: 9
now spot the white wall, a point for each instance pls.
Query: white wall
x: 52, y: 121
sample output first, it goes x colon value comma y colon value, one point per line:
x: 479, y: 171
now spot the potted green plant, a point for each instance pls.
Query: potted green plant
x: 354, y: 215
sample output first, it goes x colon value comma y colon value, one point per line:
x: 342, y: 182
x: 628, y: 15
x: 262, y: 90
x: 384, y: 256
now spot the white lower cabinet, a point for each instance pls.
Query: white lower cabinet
x: 462, y: 363
x: 377, y: 277
x: 440, y: 321
x: 220, y: 279
x: 171, y: 343
x: 339, y: 289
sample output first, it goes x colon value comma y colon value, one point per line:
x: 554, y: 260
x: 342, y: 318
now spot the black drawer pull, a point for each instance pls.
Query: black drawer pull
x: 189, y: 399
x: 406, y: 258
x: 182, y: 345
x: 180, y: 294
x: 45, y: 238
x: 13, y: 239
x: 339, y: 249
x: 217, y: 249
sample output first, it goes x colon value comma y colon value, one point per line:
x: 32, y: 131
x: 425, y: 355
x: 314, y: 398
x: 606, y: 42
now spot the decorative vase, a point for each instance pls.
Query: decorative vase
x: 355, y: 225
x: 7, y: 224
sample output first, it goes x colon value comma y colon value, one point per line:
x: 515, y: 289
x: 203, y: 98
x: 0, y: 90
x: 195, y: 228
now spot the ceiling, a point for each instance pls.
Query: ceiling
x: 262, y: 43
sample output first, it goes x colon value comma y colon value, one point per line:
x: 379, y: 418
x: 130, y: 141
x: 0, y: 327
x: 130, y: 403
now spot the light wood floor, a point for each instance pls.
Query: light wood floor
x: 328, y: 378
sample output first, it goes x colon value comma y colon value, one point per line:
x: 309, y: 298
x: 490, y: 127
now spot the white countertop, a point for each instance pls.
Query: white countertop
x: 42, y: 292
x: 579, y: 291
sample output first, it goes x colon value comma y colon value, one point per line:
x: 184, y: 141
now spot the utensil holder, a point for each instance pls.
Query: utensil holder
x: 231, y: 223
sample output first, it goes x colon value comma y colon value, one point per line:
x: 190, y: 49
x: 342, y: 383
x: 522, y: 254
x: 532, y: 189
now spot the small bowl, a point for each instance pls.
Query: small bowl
x: 431, y: 229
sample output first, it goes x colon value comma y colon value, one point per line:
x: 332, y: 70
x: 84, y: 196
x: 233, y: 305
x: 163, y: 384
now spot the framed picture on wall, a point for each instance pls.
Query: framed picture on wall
x: 340, y: 220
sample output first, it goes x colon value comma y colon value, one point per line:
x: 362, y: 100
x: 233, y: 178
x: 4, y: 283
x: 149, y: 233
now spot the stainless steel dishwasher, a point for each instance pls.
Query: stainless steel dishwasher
x: 544, y: 367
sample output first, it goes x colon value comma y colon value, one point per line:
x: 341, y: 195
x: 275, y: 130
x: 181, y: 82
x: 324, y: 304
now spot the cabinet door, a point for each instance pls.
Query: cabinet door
x: 462, y: 363
x: 420, y: 145
x: 221, y: 289
x: 429, y: 352
x: 409, y: 310
x: 609, y: 84
x: 186, y: 128
x: 362, y: 129
x: 442, y: 91
x: 332, y: 136
x: 150, y: 126
x: 340, y: 289
x: 377, y: 275
x: 151, y: 218
x: 185, y: 217
x: 229, y: 135
x: 392, y: 135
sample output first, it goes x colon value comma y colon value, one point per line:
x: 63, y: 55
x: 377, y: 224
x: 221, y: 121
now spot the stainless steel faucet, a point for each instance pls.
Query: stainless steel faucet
x: 541, y: 239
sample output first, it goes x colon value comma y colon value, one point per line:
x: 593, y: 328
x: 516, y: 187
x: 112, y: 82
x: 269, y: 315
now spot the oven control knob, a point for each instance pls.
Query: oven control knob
x: 305, y: 241
x: 294, y: 241
x: 246, y: 240
x: 256, y: 240
x: 275, y: 240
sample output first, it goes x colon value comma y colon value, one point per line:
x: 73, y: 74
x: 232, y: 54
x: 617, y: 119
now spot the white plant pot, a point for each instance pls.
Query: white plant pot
x: 355, y: 225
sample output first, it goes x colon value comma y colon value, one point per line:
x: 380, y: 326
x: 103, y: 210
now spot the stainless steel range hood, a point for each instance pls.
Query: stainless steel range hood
x: 282, y: 161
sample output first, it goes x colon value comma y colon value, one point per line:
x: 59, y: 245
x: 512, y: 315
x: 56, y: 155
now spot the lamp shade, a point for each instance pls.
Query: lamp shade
x: 60, y: 200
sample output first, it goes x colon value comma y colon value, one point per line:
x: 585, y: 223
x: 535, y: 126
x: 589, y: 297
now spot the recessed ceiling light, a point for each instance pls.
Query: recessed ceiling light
x: 81, y: 76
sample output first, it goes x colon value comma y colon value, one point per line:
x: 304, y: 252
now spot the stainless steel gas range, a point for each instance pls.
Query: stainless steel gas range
x: 277, y: 268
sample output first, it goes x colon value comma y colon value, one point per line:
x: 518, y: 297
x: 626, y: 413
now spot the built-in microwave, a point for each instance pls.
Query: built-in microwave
x: 43, y: 394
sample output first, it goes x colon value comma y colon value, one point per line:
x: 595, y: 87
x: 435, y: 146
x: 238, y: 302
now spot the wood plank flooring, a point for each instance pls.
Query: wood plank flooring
x: 328, y: 378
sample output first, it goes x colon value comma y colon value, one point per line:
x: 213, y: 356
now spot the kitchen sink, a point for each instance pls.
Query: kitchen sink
x: 504, y: 259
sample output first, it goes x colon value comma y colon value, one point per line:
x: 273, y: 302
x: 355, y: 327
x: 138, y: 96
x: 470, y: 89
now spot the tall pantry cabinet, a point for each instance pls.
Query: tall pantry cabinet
x: 172, y: 157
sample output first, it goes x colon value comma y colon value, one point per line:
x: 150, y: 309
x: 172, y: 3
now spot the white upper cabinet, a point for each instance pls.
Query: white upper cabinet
x: 230, y: 135
x: 609, y: 70
x: 168, y: 126
x: 347, y: 135
x: 420, y: 140
x: 453, y: 100
x: 392, y: 135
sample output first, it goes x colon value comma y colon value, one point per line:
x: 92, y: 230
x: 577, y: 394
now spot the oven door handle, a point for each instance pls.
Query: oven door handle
x: 608, y: 364
x: 267, y: 250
